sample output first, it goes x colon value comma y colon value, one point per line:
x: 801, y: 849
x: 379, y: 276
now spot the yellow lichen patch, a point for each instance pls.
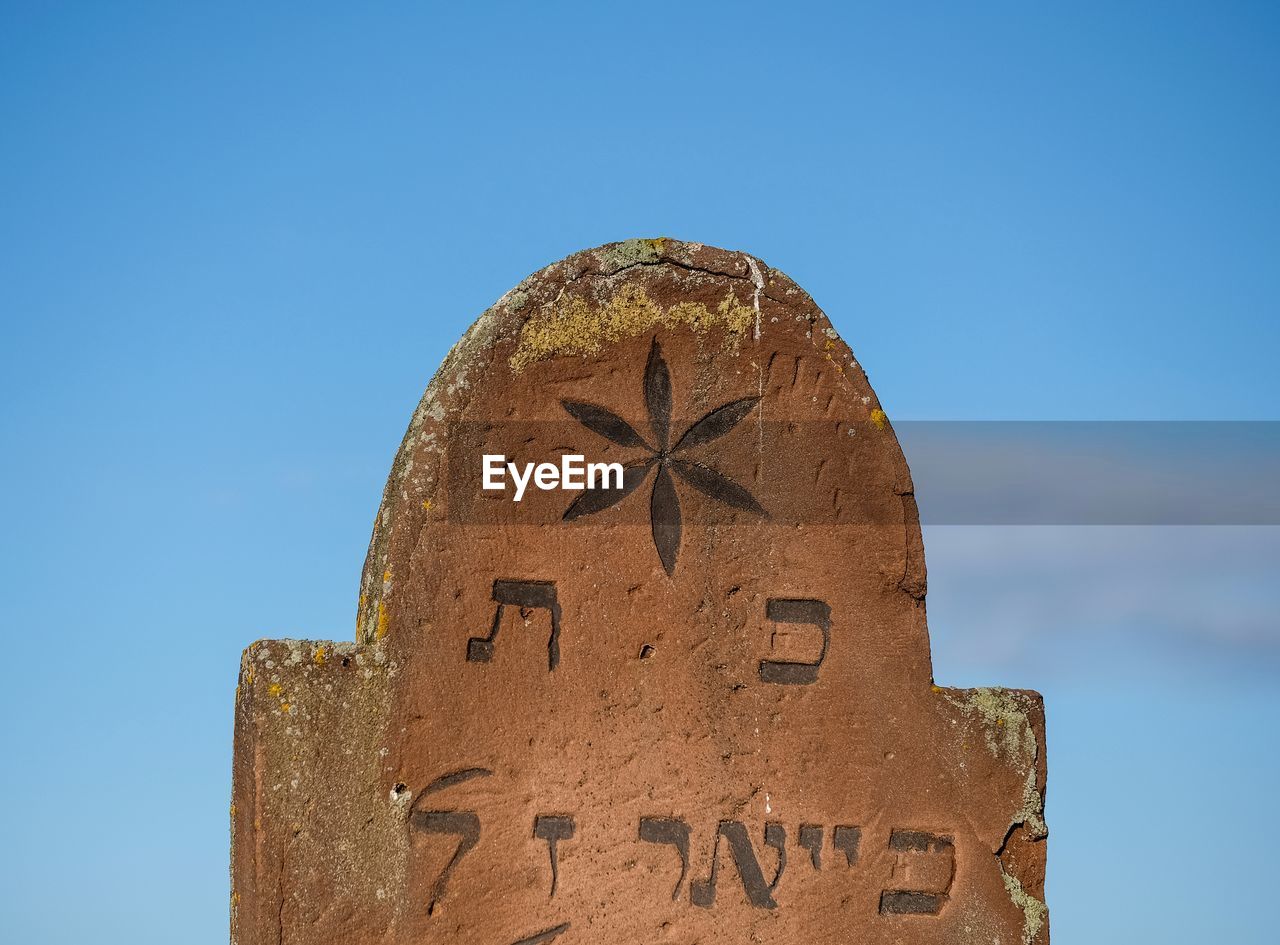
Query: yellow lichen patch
x: 382, y: 621
x: 286, y: 707
x: 879, y: 418
x: 319, y: 656
x: 579, y: 327
x: 828, y: 348
x: 275, y: 689
x: 426, y: 505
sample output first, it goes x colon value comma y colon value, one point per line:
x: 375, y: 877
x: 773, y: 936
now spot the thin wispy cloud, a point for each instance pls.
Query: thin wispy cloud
x: 1087, y: 601
x: 1095, y: 472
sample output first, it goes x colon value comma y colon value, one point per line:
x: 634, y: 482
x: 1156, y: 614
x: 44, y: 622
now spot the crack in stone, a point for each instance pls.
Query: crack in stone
x: 758, y: 281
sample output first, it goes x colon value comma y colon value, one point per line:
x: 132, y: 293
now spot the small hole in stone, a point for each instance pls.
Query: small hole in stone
x: 400, y: 789
x: 346, y: 661
x: 646, y: 651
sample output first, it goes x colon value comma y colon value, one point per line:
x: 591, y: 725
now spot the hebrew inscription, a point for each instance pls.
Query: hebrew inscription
x: 672, y: 831
x: 527, y: 595
x: 814, y: 613
x: 465, y: 825
x: 542, y: 938
x: 846, y: 840
x: 553, y: 828
x: 919, y: 855
x: 534, y: 595
x: 758, y: 889
x: 811, y: 840
x: 910, y: 845
x: 759, y: 892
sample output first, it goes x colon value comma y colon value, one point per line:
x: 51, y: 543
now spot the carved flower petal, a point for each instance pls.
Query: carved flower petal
x: 664, y: 512
x: 605, y: 422
x: 597, y: 500
x: 717, y: 485
x: 717, y: 423
x: 657, y: 395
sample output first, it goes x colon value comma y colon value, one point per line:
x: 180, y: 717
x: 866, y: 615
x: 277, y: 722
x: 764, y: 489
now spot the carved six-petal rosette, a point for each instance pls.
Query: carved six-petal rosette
x: 672, y: 461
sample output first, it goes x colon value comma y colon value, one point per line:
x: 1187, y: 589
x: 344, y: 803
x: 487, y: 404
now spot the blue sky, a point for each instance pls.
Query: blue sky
x: 235, y: 242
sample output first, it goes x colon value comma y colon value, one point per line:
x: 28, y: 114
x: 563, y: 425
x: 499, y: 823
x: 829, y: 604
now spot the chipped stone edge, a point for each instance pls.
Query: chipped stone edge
x: 1001, y: 713
x: 469, y: 355
x: 1034, y: 911
x: 1007, y: 731
x: 287, y: 686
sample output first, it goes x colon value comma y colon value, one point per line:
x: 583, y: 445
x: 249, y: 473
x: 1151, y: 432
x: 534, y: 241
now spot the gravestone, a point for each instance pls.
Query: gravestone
x: 693, y: 704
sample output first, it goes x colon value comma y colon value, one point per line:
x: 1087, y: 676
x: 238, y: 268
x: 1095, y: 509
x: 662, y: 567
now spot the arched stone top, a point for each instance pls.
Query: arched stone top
x: 822, y: 457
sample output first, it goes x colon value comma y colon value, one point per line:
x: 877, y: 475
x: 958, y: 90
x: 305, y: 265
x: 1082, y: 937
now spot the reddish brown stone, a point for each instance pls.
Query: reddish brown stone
x: 705, y: 713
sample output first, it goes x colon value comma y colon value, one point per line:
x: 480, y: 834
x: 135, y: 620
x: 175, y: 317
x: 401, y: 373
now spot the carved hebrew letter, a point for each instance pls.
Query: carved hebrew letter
x: 525, y: 595
x: 542, y: 938
x: 553, y: 828
x: 911, y: 846
x: 464, y: 824
x: 672, y: 831
x: 759, y: 893
x: 845, y: 839
x: 808, y: 611
x: 811, y: 840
